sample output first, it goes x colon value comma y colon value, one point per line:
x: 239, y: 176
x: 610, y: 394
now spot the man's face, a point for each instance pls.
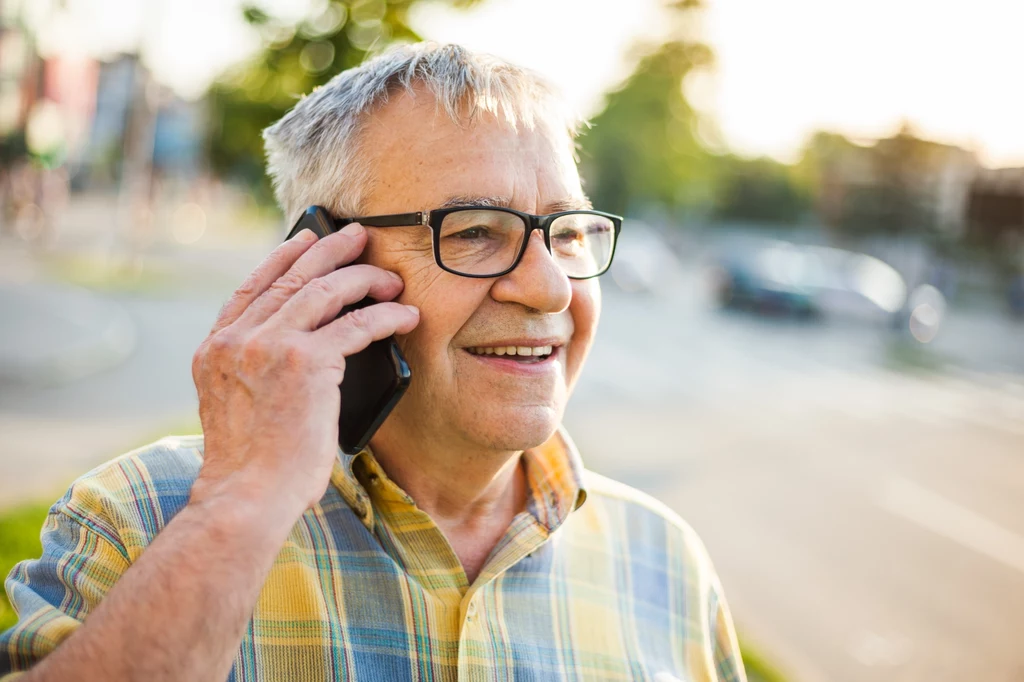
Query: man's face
x: 422, y: 160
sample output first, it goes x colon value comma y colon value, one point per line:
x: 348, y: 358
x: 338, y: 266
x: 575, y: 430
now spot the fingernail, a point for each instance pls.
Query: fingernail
x: 352, y: 229
x: 414, y: 309
x: 306, y: 235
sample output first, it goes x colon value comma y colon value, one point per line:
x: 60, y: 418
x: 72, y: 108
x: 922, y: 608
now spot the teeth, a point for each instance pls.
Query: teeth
x: 524, y: 351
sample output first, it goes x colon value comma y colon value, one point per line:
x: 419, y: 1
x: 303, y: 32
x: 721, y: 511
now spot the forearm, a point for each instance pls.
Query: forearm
x: 180, y: 612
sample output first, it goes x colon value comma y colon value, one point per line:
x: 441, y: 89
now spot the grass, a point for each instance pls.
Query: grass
x: 907, y: 355
x: 19, y: 539
x: 759, y: 669
x: 145, y: 276
x: 99, y: 274
x: 20, y: 526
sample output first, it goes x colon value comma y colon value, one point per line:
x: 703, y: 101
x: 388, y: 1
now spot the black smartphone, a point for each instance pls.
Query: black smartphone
x: 375, y: 378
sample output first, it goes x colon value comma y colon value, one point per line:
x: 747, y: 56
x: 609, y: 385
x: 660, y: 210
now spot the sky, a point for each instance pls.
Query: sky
x: 784, y: 68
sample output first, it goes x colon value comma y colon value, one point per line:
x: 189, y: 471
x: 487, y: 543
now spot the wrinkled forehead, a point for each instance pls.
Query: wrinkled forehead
x: 420, y: 158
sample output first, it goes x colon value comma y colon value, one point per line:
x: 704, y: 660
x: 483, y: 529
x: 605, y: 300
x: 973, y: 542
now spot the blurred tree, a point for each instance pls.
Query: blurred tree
x: 758, y: 190
x: 826, y: 164
x: 336, y: 35
x: 643, y: 147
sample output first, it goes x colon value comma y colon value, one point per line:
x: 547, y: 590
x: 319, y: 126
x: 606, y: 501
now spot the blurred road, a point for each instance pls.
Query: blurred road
x: 867, y: 521
x: 56, y: 428
x: 867, y: 524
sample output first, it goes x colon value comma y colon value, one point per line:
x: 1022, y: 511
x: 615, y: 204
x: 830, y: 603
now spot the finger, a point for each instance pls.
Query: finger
x: 322, y: 299
x: 327, y: 255
x: 259, y: 280
x: 358, y: 329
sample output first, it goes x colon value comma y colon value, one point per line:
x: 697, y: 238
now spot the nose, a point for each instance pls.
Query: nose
x: 537, y: 282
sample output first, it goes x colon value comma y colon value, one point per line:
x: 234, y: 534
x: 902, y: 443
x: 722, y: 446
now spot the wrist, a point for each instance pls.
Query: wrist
x: 244, y: 501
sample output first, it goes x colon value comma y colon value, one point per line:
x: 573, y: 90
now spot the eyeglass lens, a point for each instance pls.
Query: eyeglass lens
x: 485, y: 242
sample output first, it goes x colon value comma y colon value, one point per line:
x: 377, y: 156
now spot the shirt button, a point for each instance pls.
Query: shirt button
x: 471, y: 610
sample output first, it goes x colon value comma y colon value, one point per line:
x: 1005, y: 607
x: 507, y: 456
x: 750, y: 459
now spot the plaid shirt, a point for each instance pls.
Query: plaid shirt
x: 594, y: 581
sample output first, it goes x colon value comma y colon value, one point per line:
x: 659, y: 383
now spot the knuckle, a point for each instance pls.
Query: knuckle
x: 361, y: 318
x: 359, y: 328
x: 320, y: 286
x: 214, y: 353
x: 255, y: 350
x: 295, y: 355
x: 218, y: 345
x: 289, y: 283
x: 261, y: 352
x: 246, y: 290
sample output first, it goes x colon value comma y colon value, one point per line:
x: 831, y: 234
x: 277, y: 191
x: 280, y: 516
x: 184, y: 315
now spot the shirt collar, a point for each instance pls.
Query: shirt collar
x: 344, y: 479
x: 554, y: 474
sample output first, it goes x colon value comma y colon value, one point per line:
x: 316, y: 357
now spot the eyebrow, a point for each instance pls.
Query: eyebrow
x: 567, y: 204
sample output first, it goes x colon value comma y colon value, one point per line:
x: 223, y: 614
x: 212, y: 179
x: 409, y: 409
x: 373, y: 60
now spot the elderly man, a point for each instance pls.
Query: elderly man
x: 467, y: 542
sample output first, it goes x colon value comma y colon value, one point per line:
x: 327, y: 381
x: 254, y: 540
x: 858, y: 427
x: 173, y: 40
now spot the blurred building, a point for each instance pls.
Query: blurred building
x: 46, y: 104
x: 899, y: 185
x: 995, y: 212
x: 140, y: 127
x: 19, y: 77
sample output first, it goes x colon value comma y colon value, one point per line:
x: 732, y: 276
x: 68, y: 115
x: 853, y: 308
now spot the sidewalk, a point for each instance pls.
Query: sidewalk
x: 55, y: 333
x: 89, y: 371
x: 51, y: 332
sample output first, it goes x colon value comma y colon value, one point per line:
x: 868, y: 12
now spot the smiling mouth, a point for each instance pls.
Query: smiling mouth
x: 524, y: 354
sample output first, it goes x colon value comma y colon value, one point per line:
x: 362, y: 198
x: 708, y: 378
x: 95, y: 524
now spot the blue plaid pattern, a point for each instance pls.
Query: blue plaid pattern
x: 593, y: 581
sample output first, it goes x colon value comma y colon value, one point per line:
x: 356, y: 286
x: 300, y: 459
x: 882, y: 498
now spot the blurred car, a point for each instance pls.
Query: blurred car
x: 644, y: 261
x: 1015, y: 296
x: 777, y: 277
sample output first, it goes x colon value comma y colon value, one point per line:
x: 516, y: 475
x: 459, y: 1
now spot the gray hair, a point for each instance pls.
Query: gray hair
x: 313, y: 154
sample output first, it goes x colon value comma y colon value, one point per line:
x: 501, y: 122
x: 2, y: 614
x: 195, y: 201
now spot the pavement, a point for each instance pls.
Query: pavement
x: 54, y: 334
x: 88, y: 374
x: 867, y: 522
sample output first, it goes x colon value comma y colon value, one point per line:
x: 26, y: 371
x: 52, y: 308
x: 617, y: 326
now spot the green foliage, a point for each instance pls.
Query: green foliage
x: 294, y: 60
x: 644, y: 151
x: 758, y: 668
x: 642, y: 148
x: 758, y: 190
x: 13, y: 147
x: 19, y: 539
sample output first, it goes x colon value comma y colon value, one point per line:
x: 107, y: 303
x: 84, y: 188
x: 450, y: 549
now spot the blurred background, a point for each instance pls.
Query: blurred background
x: 813, y: 341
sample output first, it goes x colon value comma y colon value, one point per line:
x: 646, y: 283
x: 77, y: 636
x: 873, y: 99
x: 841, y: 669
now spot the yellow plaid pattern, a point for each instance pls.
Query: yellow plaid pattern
x: 593, y: 581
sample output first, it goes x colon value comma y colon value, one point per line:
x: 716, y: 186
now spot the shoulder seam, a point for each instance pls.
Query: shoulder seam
x: 77, y: 517
x: 610, y: 488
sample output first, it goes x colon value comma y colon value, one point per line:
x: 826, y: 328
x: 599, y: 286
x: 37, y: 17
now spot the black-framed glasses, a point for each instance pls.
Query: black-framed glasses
x: 487, y: 241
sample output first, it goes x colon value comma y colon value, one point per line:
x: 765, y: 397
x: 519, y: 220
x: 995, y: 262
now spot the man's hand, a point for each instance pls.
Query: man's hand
x: 268, y: 378
x: 268, y: 373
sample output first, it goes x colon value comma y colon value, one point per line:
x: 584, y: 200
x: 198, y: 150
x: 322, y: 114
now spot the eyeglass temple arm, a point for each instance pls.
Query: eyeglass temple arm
x: 395, y: 220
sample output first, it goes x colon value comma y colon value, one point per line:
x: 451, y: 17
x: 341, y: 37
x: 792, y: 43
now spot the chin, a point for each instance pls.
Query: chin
x: 517, y: 429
